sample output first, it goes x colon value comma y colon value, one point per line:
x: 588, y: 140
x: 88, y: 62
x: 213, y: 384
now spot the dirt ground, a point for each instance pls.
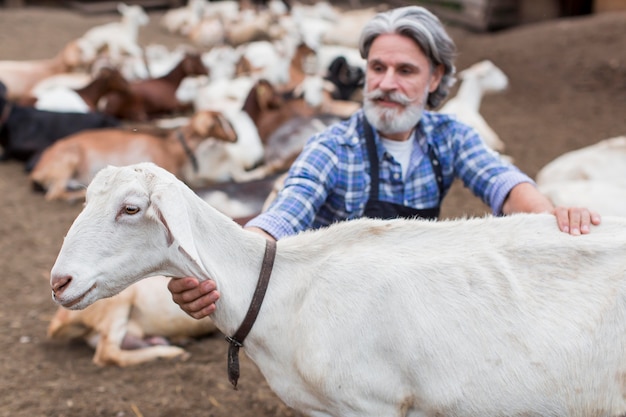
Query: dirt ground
x: 568, y: 90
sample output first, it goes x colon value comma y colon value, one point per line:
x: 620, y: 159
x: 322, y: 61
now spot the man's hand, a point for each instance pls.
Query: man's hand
x: 575, y: 221
x: 525, y: 198
x: 195, y: 298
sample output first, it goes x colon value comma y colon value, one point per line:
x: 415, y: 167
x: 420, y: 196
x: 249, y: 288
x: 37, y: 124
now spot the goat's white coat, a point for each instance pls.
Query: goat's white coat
x: 604, y: 161
x: 223, y: 94
x: 478, y: 317
x: 479, y: 79
x: 62, y: 99
x: 70, y: 80
x: 120, y: 37
x: 220, y: 161
x: 182, y: 19
x: 606, y: 197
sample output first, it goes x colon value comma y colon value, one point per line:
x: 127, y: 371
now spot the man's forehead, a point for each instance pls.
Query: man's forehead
x: 396, y: 50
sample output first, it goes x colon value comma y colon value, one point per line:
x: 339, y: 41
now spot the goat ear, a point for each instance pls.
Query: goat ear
x: 230, y: 134
x: 167, y: 204
x: 264, y: 95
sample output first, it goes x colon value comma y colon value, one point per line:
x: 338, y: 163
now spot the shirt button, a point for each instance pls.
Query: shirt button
x: 396, y: 176
x: 355, y: 140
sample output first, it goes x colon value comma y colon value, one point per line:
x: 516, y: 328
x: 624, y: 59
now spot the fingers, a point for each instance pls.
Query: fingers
x: 197, y: 299
x: 576, y: 221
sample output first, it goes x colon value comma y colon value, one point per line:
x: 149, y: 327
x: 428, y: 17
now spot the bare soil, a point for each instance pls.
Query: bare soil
x: 568, y: 90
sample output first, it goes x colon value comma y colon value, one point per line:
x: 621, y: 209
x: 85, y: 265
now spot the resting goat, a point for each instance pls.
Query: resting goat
x: 480, y: 317
x: 66, y: 168
x: 603, y: 161
x: 154, y: 97
x: 133, y: 327
x: 21, y: 76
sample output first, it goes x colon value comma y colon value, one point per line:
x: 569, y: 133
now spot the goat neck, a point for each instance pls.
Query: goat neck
x: 470, y: 92
x: 101, y: 85
x: 183, y: 69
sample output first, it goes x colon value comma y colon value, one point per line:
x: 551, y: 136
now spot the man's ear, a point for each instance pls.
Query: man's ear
x: 436, y: 77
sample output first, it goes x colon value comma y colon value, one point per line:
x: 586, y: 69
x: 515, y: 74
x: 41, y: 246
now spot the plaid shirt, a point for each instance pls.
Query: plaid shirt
x: 330, y: 179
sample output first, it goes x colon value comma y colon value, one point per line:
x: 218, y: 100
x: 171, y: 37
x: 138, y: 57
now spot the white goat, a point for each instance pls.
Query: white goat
x: 480, y: 317
x: 605, y: 161
x: 182, y: 19
x: 131, y: 327
x: 479, y: 79
x: 606, y: 197
x: 118, y: 37
x: 224, y: 159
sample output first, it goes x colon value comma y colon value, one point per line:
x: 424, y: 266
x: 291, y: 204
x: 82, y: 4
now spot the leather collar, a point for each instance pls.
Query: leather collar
x: 6, y: 112
x: 192, y: 156
x: 236, y: 340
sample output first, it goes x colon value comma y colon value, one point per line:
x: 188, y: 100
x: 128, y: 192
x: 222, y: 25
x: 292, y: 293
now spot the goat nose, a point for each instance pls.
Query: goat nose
x: 59, y: 284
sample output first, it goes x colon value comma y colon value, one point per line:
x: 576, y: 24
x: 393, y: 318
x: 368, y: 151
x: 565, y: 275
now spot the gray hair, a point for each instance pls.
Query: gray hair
x: 426, y: 30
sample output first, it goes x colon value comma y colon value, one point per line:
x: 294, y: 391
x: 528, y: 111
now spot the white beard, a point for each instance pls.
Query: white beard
x: 390, y: 121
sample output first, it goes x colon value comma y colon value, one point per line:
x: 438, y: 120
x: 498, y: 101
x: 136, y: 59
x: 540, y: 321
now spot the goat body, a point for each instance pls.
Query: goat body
x: 84, y: 99
x: 606, y: 197
x: 69, y: 165
x: 130, y: 328
x: 474, y: 317
x: 479, y: 79
x: 604, y: 161
x: 21, y: 76
x: 232, y: 148
x: 118, y: 37
x: 155, y: 96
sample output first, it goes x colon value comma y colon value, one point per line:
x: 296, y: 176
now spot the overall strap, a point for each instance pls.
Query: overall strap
x: 374, y: 162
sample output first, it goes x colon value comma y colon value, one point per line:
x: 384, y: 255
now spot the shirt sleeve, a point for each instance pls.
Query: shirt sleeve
x: 306, y: 187
x: 483, y: 171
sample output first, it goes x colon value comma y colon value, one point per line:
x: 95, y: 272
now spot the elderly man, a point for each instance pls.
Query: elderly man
x: 393, y: 158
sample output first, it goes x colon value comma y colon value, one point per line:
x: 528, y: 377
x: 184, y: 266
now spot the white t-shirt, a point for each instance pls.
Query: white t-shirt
x: 401, y: 151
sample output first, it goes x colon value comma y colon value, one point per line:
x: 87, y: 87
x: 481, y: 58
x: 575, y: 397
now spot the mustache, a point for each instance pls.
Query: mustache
x: 393, y: 96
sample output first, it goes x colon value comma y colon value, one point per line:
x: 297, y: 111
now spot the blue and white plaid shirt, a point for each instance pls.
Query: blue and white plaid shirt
x: 330, y: 179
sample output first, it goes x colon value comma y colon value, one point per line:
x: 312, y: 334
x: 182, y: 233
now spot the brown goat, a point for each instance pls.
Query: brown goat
x: 69, y: 165
x: 106, y: 81
x: 155, y: 96
x: 80, y: 100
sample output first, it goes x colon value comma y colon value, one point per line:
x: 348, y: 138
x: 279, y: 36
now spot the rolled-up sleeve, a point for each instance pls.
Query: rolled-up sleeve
x: 305, y: 190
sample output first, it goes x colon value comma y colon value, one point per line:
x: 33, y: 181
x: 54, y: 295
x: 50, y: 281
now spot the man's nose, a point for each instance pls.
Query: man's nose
x: 388, y: 80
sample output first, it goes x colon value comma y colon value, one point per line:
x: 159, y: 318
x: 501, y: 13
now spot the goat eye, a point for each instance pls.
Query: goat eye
x: 131, y: 209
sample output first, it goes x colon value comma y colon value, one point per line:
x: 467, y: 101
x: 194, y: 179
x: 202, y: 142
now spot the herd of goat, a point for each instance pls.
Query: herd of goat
x: 227, y: 122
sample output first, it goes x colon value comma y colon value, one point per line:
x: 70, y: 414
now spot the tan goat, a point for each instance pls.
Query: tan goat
x: 132, y: 327
x: 21, y: 76
x: 69, y: 165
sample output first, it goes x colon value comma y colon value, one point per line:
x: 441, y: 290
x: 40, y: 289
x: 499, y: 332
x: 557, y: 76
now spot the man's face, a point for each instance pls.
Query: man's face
x: 398, y: 81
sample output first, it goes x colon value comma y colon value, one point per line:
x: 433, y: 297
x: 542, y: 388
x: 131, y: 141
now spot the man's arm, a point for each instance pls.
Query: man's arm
x: 525, y: 198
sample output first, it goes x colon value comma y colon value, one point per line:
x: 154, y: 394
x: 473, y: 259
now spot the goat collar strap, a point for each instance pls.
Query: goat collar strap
x: 188, y: 151
x: 236, y: 340
x: 6, y: 111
